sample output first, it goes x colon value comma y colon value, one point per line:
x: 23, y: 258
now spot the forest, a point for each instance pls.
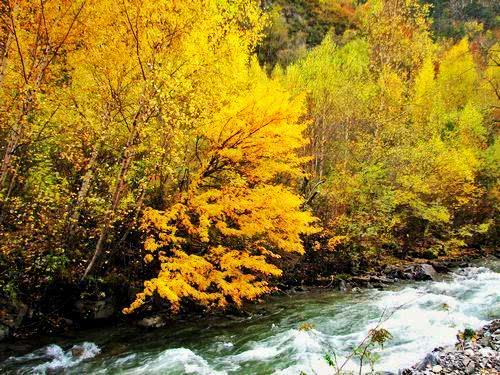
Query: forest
x: 196, y: 155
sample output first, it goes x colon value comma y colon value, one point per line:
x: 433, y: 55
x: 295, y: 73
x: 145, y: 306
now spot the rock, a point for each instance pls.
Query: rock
x: 392, y: 272
x: 441, y: 267
x: 429, y: 361
x: 152, y: 322
x: 66, y: 322
x: 55, y: 370
x: 381, y: 279
x: 361, y: 280
x: 4, y: 332
x: 469, y: 352
x: 437, y: 369
x: 77, y: 351
x: 469, y: 369
x: 342, y: 286
x: 484, y: 341
x: 424, y: 272
x: 104, y: 309
x: 407, y: 276
x: 96, y: 310
x: 465, y: 358
x: 412, y: 272
x: 485, y: 352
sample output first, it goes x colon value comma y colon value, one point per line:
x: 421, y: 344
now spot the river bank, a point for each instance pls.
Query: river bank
x: 268, y: 338
x: 68, y: 307
x: 475, y: 352
x: 83, y: 309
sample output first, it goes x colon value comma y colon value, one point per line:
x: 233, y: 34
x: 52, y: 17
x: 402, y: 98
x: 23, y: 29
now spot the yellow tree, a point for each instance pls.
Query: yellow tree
x: 34, y: 38
x: 235, y: 210
x: 398, y: 33
x: 235, y: 205
x: 141, y: 81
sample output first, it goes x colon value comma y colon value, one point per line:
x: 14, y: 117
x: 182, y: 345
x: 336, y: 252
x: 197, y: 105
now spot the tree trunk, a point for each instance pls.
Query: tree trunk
x: 126, y: 160
x: 84, y: 189
x: 5, y: 39
x: 7, y: 158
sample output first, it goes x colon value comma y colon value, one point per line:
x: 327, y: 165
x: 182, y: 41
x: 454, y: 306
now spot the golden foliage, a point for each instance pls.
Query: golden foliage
x: 233, y: 210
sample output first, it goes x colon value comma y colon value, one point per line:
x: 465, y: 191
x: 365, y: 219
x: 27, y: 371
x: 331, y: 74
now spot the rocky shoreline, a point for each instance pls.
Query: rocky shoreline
x: 389, y: 274
x: 476, y: 352
x: 106, y: 309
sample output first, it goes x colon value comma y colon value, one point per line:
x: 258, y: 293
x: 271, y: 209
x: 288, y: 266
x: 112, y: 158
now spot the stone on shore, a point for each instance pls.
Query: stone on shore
x: 477, y: 355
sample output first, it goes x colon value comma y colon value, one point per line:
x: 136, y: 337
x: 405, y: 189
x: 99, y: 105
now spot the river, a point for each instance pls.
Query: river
x: 420, y: 316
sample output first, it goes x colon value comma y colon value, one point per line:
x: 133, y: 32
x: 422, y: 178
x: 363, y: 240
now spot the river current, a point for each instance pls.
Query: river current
x: 419, y: 315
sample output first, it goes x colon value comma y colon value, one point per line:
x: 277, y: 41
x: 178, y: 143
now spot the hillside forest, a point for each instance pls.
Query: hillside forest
x: 195, y: 155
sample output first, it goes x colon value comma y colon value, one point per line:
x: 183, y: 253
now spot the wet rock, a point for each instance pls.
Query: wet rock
x: 424, y: 272
x: 77, y: 351
x: 300, y: 288
x: 441, y: 267
x: 343, y: 286
x: 96, y: 310
x: 467, y: 357
x: 381, y: 279
x: 393, y: 272
x: 55, y: 370
x: 413, y: 272
x: 407, y: 276
x: 429, y: 361
x: 152, y: 322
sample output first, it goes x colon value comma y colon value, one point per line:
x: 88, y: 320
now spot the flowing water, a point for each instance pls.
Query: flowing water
x: 419, y: 315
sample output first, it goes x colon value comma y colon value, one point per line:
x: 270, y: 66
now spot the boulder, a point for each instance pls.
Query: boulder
x: 419, y: 272
x: 429, y: 361
x: 12, y: 315
x: 425, y: 272
x: 343, y: 286
x: 393, y: 272
x: 405, y: 371
x: 55, y: 370
x: 470, y: 368
x: 96, y: 310
x: 381, y: 279
x: 4, y: 332
x: 77, y: 351
x: 152, y: 322
x: 413, y: 272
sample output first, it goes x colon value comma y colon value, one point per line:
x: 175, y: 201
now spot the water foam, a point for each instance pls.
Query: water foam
x: 420, y: 317
x: 175, y: 360
x: 55, y: 358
